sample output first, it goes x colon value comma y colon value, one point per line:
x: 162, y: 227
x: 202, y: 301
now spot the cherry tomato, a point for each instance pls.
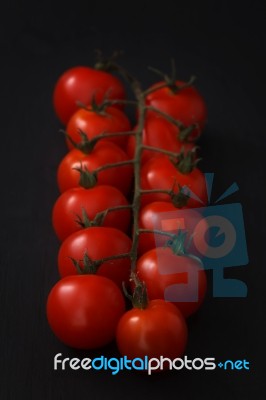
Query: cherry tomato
x: 69, y: 209
x: 160, y: 133
x: 93, y: 123
x: 158, y: 330
x: 82, y: 84
x: 103, y: 153
x: 187, y: 105
x: 98, y: 243
x: 160, y: 173
x: 83, y: 310
x: 166, y: 217
x: 179, y: 279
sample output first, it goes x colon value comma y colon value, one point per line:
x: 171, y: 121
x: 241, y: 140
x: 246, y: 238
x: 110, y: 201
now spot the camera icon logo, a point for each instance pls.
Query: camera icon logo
x: 223, y: 233
x: 217, y: 238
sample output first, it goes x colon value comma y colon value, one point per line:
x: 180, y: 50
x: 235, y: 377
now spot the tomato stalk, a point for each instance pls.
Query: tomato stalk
x: 178, y: 199
x: 109, y: 102
x: 112, y: 165
x: 91, y: 266
x: 116, y: 208
x: 86, y: 145
x: 101, y: 108
x: 111, y: 134
x: 169, y: 81
x: 140, y: 96
x: 137, y: 195
x: 139, y: 297
x: 162, y: 151
x: 168, y: 117
x: 184, y: 131
x: 155, y: 88
x: 85, y: 222
x: 151, y: 191
x: 115, y: 257
x: 158, y: 232
x: 186, y: 162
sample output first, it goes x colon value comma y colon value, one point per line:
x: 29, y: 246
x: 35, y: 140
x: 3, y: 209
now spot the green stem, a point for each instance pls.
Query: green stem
x: 110, y: 135
x: 173, y: 121
x: 137, y: 195
x: 151, y: 191
x: 86, y: 145
x: 91, y: 266
x: 118, y: 208
x: 110, y: 103
x: 188, y: 83
x: 154, y: 89
x: 93, y: 107
x: 169, y: 82
x: 113, y: 165
x: 100, y: 217
x: 111, y: 258
x: 162, y: 151
x: 157, y: 232
x: 140, y: 291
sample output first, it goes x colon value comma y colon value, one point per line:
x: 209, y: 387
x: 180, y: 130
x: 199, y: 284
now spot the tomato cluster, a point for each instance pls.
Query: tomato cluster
x: 116, y: 184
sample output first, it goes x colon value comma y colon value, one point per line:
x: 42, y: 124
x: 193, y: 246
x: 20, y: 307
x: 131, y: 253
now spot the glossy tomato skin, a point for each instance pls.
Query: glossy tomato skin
x: 69, y: 207
x: 83, y: 310
x: 160, y: 133
x: 103, y: 153
x: 81, y: 84
x: 98, y: 243
x: 160, y: 173
x: 93, y: 124
x: 158, y: 330
x: 161, y: 269
x: 165, y: 216
x: 187, y: 105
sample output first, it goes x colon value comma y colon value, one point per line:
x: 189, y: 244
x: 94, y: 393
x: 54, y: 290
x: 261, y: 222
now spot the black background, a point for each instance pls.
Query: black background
x: 223, y: 44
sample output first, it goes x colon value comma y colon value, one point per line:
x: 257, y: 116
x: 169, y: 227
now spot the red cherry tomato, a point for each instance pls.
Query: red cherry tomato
x: 160, y: 173
x: 98, y: 243
x: 82, y: 84
x: 160, y: 133
x: 166, y: 217
x: 69, y: 209
x: 158, y: 330
x: 83, y: 310
x: 103, y: 153
x: 179, y: 279
x: 187, y: 105
x: 93, y: 123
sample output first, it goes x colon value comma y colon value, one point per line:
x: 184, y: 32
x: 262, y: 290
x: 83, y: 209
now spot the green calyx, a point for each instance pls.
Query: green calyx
x: 179, y: 243
x: 106, y: 63
x: 84, y: 222
x: 181, y: 198
x: 99, y: 108
x: 139, y: 298
x: 87, y: 179
x: 185, y: 133
x: 85, y: 266
x: 170, y: 80
x: 85, y: 145
x: 186, y: 161
x: 94, y: 106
